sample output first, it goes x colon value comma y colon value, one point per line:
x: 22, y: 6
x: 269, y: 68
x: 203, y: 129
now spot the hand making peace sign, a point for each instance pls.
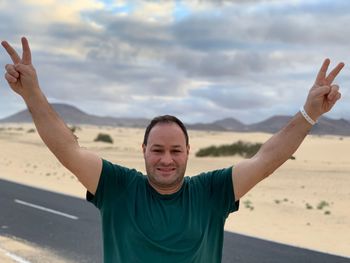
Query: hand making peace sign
x: 21, y: 75
x: 323, y: 94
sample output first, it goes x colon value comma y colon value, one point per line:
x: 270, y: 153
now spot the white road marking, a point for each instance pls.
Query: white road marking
x: 14, y: 257
x: 46, y: 209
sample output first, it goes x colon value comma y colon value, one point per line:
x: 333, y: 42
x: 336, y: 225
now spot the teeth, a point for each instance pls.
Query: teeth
x: 166, y: 170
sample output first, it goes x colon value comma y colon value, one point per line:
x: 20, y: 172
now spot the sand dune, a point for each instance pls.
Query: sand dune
x: 305, y: 203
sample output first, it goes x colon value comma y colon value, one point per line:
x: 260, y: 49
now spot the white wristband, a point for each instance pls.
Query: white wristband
x: 306, y: 116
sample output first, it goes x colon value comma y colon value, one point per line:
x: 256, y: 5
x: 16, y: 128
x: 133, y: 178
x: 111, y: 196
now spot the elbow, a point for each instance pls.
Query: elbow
x: 271, y: 166
x: 67, y: 156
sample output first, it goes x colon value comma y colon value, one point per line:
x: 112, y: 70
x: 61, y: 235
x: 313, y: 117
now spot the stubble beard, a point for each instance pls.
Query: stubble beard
x: 161, y: 183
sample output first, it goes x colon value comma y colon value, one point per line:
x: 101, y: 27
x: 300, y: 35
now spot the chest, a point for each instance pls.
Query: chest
x: 179, y: 222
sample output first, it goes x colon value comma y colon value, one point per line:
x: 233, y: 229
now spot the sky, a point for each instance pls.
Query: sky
x: 199, y: 60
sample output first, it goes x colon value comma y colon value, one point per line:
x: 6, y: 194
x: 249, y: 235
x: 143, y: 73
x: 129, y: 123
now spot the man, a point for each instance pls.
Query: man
x: 164, y: 216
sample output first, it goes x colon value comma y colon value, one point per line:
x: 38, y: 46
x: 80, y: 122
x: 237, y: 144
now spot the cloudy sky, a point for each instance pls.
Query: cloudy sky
x: 199, y: 60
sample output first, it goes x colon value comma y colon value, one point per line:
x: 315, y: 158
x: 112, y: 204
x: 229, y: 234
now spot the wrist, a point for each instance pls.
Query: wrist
x: 311, y: 120
x: 34, y: 98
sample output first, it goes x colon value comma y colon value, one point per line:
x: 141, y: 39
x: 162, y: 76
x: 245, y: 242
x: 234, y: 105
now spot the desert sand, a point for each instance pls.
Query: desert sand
x: 305, y: 203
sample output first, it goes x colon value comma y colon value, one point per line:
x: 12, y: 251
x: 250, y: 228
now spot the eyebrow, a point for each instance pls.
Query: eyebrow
x: 161, y: 146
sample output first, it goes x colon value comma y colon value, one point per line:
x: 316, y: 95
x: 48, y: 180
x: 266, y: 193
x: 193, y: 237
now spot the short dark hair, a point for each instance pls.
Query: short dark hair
x: 165, y: 119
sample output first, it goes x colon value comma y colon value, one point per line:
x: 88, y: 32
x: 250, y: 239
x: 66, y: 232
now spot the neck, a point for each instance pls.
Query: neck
x: 168, y: 190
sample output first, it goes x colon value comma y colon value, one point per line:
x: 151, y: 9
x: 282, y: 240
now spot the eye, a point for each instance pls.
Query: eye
x: 157, y: 150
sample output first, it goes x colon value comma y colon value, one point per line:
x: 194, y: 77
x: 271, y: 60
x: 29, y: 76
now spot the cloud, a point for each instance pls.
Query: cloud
x: 233, y: 97
x: 198, y: 59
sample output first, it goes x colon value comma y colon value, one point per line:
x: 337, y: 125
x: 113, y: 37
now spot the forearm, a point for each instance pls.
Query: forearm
x: 51, y: 128
x: 281, y: 146
x: 22, y: 78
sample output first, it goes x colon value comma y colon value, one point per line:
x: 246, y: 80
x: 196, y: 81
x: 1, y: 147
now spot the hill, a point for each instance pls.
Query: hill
x: 73, y: 115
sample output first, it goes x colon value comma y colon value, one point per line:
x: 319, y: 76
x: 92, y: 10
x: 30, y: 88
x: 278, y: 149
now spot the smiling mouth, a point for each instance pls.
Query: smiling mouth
x: 166, y: 170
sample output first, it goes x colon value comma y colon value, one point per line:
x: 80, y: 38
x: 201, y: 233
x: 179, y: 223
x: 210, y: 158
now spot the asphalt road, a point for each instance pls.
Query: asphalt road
x: 71, y: 227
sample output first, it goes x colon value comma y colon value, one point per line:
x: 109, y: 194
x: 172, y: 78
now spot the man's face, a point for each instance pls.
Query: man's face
x: 166, y: 157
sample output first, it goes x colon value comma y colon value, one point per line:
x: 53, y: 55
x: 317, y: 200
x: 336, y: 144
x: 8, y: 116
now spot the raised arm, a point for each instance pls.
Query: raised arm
x: 22, y: 78
x: 280, y: 147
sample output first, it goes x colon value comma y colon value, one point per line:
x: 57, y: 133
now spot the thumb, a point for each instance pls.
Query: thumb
x: 322, y: 91
x: 25, y: 70
x: 21, y: 68
x: 28, y: 76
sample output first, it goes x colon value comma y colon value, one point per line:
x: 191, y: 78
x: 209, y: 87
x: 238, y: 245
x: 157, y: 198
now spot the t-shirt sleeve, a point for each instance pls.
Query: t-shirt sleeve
x: 112, y: 182
x: 222, y: 192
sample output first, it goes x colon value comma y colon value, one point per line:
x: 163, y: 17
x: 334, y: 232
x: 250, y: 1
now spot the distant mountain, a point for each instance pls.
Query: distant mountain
x: 331, y: 126
x: 73, y: 115
x: 323, y: 126
x: 205, y: 127
x: 231, y: 124
x: 270, y: 125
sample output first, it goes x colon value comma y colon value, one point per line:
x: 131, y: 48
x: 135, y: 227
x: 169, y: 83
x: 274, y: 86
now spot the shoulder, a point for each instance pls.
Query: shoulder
x: 118, y: 176
x: 205, y: 176
x: 113, y: 169
x: 114, y: 181
x: 212, y: 179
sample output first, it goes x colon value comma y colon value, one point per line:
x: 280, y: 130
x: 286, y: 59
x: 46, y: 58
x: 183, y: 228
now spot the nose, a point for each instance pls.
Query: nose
x: 166, y: 158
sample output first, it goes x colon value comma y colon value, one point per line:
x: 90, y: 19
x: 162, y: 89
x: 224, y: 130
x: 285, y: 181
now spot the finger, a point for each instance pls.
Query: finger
x: 321, y: 76
x: 334, y: 73
x: 9, y: 78
x: 338, y: 96
x: 322, y: 91
x: 334, y: 100
x: 26, y: 55
x: 12, y: 52
x: 22, y: 69
x: 333, y: 93
x: 11, y: 70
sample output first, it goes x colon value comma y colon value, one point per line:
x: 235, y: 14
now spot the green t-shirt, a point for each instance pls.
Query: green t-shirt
x: 141, y: 225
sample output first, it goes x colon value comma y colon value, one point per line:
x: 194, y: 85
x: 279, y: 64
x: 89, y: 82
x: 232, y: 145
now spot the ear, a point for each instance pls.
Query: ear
x: 144, y: 148
x: 188, y: 149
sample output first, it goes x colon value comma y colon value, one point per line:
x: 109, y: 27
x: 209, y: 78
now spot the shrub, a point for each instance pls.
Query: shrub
x: 74, y: 128
x: 241, y: 148
x: 248, y: 204
x: 322, y: 204
x: 103, y: 137
x: 308, y: 206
